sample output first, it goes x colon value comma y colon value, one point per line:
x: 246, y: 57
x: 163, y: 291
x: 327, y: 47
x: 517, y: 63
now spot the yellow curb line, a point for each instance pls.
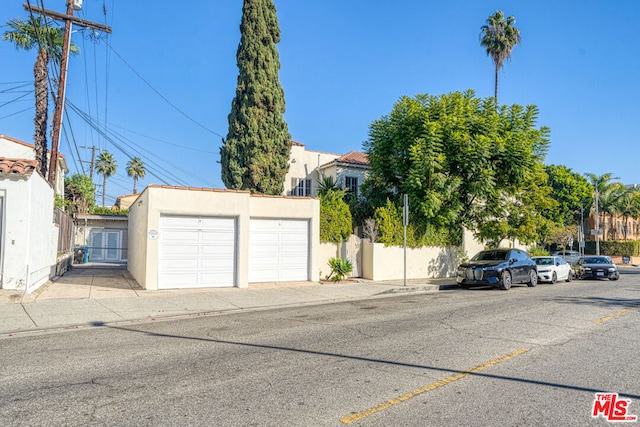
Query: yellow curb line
x: 377, y: 408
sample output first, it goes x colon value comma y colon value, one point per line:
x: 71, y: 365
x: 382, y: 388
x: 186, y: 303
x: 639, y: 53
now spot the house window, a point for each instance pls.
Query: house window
x: 351, y: 184
x: 300, y: 187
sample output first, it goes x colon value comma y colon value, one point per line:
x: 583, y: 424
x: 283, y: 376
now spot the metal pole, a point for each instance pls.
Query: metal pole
x: 581, y: 244
x: 405, y: 221
x: 597, y: 224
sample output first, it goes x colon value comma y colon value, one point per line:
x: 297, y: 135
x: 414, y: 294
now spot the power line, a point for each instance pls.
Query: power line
x: 161, y: 95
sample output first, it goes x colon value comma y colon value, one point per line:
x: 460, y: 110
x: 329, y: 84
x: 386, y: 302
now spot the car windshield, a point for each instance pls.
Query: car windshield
x: 595, y: 260
x: 491, y: 256
x: 544, y: 261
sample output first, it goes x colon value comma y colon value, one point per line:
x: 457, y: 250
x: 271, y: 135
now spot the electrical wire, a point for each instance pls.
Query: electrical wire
x: 161, y: 95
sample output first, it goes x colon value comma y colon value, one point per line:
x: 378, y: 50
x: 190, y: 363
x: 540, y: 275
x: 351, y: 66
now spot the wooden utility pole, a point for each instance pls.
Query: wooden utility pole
x: 57, y: 117
x: 93, y: 159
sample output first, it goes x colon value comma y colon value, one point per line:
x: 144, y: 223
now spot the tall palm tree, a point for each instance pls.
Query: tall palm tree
x: 607, y: 193
x: 611, y: 202
x: 106, y: 166
x: 135, y: 169
x: 629, y: 207
x: 37, y: 33
x: 499, y: 37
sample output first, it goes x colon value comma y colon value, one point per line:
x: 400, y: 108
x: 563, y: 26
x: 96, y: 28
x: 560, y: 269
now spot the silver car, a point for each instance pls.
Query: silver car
x: 568, y: 255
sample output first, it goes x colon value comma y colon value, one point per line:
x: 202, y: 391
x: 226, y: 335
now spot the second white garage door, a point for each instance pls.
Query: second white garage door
x: 196, y: 252
x: 278, y: 250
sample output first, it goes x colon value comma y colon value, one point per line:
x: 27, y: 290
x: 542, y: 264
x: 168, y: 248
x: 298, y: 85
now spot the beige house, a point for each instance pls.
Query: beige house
x: 308, y: 167
x: 123, y: 202
x: 194, y: 238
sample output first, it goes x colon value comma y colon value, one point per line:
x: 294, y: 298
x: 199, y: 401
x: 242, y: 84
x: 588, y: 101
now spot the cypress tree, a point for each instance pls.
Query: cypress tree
x: 255, y: 154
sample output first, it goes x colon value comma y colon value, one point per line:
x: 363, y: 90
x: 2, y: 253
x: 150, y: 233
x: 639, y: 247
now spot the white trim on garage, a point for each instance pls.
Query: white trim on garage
x: 196, y: 252
x: 278, y: 250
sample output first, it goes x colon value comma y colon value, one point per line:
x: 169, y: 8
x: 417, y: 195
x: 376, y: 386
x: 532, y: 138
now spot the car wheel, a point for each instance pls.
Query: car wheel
x: 506, y: 281
x: 570, y: 276
x: 554, y: 278
x: 533, y: 279
x: 616, y: 277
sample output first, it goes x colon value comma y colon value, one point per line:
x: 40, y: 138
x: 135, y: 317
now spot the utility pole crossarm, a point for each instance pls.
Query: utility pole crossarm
x: 68, y: 19
x: 63, y: 17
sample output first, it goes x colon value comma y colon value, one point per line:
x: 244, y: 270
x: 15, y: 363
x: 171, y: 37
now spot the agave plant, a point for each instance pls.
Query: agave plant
x: 340, y: 268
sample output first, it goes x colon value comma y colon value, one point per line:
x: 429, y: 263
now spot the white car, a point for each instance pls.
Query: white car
x: 553, y: 268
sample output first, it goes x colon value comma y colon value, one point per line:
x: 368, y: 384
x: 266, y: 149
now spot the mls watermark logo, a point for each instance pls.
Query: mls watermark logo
x: 611, y: 408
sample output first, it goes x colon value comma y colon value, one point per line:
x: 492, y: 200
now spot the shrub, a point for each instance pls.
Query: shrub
x: 340, y: 268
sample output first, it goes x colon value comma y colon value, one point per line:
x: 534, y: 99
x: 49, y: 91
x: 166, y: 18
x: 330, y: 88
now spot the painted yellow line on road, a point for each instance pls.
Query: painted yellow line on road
x: 389, y: 403
x: 611, y: 316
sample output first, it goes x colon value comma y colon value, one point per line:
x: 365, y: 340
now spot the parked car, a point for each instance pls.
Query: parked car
x: 597, y: 267
x: 553, y: 268
x: 498, y: 267
x: 568, y: 255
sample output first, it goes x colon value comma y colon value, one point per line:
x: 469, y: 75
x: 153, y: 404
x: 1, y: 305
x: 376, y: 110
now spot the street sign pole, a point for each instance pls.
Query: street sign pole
x: 405, y: 222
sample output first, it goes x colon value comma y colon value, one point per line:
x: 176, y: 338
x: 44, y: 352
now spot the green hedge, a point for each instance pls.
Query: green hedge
x: 614, y: 248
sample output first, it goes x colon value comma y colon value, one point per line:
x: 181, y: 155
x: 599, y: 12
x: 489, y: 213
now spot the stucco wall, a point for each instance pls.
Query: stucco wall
x: 387, y: 263
x: 144, y: 217
x: 30, y: 239
x: 138, y: 245
x: 327, y: 251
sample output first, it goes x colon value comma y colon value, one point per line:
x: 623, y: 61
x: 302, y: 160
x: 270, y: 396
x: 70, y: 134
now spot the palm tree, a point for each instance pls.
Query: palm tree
x: 611, y: 202
x: 37, y: 33
x: 607, y: 193
x: 499, y: 37
x: 629, y: 207
x: 105, y: 166
x: 135, y: 169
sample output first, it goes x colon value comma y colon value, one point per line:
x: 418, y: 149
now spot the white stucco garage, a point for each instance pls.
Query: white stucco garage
x: 196, y: 252
x: 278, y: 250
x: 194, y: 238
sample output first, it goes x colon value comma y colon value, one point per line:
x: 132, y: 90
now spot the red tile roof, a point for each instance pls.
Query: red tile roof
x: 354, y: 158
x: 17, y: 166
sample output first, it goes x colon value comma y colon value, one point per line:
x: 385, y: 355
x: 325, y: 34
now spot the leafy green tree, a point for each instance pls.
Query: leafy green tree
x: 27, y: 35
x: 106, y: 166
x: 571, y: 191
x: 255, y: 154
x: 79, y: 193
x: 523, y: 213
x: 136, y: 169
x: 335, y: 218
x: 499, y: 36
x: 457, y: 158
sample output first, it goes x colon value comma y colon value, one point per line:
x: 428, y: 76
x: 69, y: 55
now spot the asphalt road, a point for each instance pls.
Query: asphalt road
x: 479, y: 357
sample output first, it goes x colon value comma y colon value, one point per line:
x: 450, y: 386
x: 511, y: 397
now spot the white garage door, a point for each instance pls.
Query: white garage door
x: 278, y: 250
x: 196, y: 252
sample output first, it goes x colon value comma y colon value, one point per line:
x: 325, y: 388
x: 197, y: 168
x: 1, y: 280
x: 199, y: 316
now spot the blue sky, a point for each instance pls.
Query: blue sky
x: 160, y: 86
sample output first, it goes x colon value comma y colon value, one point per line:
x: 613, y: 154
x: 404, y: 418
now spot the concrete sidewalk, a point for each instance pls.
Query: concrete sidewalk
x: 94, y: 294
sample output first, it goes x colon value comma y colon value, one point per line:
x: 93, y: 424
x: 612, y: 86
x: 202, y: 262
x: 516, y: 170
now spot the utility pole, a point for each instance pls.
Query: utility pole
x: 93, y: 159
x: 68, y: 20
